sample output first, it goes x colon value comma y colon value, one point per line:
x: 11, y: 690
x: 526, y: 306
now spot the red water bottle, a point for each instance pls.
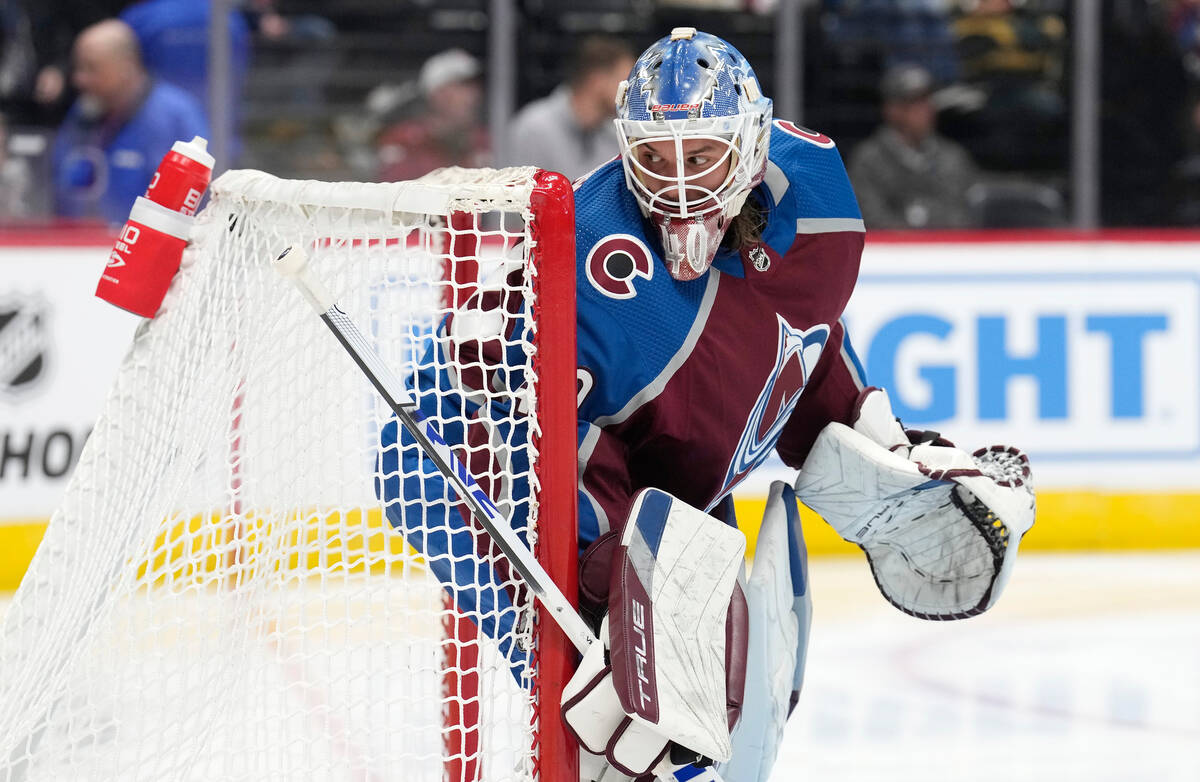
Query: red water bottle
x: 148, y: 252
x: 182, y: 176
x: 145, y: 258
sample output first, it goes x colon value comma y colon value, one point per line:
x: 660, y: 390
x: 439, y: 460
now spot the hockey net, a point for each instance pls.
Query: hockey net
x: 221, y: 595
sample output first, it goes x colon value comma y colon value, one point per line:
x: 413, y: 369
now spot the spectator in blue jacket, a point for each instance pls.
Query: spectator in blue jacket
x: 118, y: 129
x: 174, y: 38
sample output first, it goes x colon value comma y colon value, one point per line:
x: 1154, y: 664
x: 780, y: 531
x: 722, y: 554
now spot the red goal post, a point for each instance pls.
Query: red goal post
x: 552, y: 234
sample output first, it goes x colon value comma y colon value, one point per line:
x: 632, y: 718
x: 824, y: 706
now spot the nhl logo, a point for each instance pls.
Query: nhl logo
x: 760, y: 259
x: 24, y: 344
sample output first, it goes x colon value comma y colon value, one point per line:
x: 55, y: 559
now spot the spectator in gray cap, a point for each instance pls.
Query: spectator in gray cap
x: 905, y: 174
x: 449, y: 131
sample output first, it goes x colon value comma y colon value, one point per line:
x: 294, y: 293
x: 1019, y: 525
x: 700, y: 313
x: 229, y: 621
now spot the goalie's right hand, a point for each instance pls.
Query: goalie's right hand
x: 592, y: 711
x: 669, y: 675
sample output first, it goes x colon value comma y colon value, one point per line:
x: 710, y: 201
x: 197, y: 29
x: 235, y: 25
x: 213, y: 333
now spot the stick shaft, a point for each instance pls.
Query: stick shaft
x: 468, y: 489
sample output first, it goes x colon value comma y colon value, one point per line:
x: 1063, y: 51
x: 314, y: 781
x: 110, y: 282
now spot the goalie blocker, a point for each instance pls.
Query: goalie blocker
x: 940, y: 527
x: 667, y: 686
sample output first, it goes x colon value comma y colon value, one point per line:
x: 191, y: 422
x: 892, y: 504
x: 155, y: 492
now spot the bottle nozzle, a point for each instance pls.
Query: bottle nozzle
x: 196, y: 149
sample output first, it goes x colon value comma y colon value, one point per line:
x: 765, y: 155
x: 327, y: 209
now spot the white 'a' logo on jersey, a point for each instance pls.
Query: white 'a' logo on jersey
x: 796, y: 357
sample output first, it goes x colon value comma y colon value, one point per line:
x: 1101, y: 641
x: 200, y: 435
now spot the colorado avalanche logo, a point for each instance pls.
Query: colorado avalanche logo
x: 613, y: 263
x: 795, y: 360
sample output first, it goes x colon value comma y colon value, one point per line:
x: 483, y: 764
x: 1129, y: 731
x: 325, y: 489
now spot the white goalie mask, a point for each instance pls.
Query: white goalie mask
x: 694, y: 128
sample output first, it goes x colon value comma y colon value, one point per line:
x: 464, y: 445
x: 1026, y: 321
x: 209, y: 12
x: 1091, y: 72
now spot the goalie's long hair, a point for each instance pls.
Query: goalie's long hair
x: 746, y: 228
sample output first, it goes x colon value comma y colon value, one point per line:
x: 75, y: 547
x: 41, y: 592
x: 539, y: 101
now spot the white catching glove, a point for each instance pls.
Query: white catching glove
x: 658, y: 686
x: 940, y: 527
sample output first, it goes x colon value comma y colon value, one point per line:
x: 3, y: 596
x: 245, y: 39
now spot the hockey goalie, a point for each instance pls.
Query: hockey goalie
x: 715, y: 257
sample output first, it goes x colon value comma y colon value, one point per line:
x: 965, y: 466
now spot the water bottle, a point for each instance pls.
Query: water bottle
x: 150, y: 247
x: 145, y: 258
x: 182, y: 176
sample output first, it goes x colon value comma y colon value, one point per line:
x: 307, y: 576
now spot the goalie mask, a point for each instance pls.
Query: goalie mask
x: 693, y: 126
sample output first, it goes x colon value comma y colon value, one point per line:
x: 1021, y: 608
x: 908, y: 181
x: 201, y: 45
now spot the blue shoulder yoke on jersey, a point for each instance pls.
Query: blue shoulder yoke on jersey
x: 808, y: 186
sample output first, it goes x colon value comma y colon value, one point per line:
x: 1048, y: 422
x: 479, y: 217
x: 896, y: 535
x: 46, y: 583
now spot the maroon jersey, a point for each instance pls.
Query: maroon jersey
x: 688, y: 386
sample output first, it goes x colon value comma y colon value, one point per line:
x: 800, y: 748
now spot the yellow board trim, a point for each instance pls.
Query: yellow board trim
x: 1066, y: 521
x: 19, y: 540
x: 192, y: 549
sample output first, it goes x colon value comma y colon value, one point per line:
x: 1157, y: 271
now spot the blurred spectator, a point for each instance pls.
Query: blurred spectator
x: 15, y: 180
x: 448, y: 132
x: 902, y: 31
x: 707, y: 5
x: 309, y: 40
x: 267, y: 20
x: 1015, y: 57
x: 55, y: 27
x: 117, y: 131
x: 174, y: 38
x: 1187, y: 174
x: 1183, y: 20
x: 570, y: 130
x: 905, y: 174
x: 1183, y: 25
x: 18, y: 60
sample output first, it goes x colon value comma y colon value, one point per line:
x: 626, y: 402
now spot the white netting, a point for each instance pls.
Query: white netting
x: 220, y: 595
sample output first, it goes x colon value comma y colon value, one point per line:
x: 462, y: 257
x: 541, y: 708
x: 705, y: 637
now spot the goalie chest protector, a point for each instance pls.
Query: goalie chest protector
x: 697, y: 379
